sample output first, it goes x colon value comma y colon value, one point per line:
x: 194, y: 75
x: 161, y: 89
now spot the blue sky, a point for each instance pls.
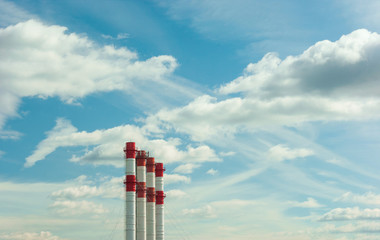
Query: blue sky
x: 265, y: 114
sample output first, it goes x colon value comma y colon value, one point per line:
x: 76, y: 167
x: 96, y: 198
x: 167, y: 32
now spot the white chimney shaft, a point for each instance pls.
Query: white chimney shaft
x: 160, y: 201
x: 141, y: 196
x: 130, y: 198
x: 151, y: 200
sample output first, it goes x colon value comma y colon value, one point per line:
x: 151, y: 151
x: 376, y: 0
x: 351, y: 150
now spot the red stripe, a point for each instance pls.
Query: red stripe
x: 140, y: 162
x: 141, y: 186
x: 160, y: 169
x: 141, y: 154
x: 151, y: 195
x: 160, y: 197
x: 130, y: 150
x: 150, y: 166
x: 130, y: 183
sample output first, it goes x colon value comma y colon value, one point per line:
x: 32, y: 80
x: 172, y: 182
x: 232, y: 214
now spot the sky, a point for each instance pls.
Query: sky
x: 266, y: 115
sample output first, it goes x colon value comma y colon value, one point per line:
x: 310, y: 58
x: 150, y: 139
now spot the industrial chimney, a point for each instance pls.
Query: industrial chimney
x: 144, y: 200
x: 130, y: 198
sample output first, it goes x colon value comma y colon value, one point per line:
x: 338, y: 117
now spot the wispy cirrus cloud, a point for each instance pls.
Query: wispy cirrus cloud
x: 309, y: 203
x: 10, y: 13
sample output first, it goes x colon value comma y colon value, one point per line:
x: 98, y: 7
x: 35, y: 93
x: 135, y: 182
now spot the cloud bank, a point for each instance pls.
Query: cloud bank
x: 330, y: 81
x: 39, y: 60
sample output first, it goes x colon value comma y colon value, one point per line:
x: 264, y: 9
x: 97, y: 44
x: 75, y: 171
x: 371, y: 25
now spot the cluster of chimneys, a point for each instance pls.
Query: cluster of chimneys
x: 144, y: 183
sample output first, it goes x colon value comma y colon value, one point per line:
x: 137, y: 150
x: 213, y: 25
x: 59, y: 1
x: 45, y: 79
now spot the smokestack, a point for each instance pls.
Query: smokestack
x: 160, y: 201
x: 130, y: 198
x: 141, y: 196
x: 151, y: 200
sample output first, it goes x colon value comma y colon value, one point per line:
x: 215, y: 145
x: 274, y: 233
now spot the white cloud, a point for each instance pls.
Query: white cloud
x: 212, y: 172
x: 108, y: 146
x: 9, y: 134
x: 175, y: 178
x: 325, y: 69
x: 368, y: 198
x: 309, y: 203
x: 186, y: 168
x: 362, y: 227
x: 176, y: 194
x: 227, y: 154
x: 77, y: 192
x: 233, y: 203
x: 75, y: 208
x: 108, y: 187
x: 203, y: 212
x: 355, y: 213
x: 281, y: 153
x: 330, y: 81
x: 30, y: 236
x: 120, y: 36
x: 220, y: 208
x: 40, y: 60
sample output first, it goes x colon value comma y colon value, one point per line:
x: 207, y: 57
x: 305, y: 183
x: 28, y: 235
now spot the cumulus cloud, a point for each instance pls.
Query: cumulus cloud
x: 40, y: 60
x: 330, y: 81
x: 355, y: 213
x: 105, y: 146
x: 347, y: 67
x: 281, y: 153
x: 75, y: 208
x: 368, y: 198
x: 30, y: 236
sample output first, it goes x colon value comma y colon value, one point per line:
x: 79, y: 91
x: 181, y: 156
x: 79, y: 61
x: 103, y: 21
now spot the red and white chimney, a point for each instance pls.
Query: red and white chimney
x: 160, y: 201
x: 141, y: 196
x: 151, y: 200
x: 130, y: 185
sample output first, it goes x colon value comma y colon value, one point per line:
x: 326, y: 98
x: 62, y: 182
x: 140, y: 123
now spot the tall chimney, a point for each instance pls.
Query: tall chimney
x: 160, y: 201
x: 151, y: 200
x: 130, y: 198
x: 141, y: 196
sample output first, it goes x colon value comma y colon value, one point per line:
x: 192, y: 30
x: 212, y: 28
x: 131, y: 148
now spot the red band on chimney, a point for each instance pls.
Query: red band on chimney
x: 160, y: 169
x: 130, y: 150
x: 150, y: 166
x: 130, y: 183
x: 151, y: 195
x: 140, y: 162
x: 141, y: 186
x: 160, y: 197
